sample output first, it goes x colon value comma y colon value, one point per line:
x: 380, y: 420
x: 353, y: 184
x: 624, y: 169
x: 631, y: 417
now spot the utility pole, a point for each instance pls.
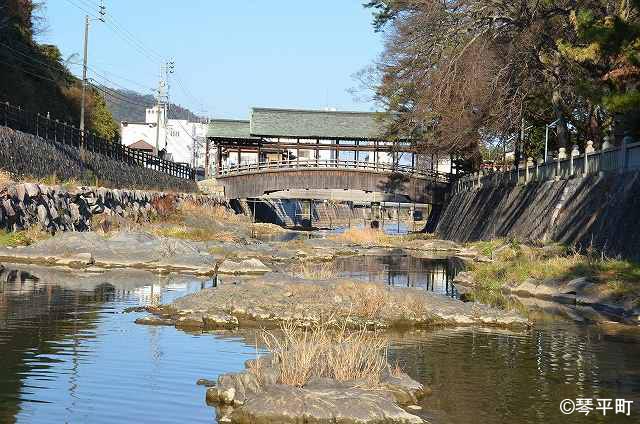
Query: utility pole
x: 87, y: 21
x: 162, y: 101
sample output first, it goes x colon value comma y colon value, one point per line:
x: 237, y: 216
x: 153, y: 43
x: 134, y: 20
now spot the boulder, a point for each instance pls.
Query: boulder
x: 153, y: 320
x: 219, y: 320
x: 287, y: 404
x: 32, y: 190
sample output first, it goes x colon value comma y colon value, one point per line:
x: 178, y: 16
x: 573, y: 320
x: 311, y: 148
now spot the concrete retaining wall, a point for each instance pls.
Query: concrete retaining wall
x: 598, y: 211
x: 57, y: 208
x: 25, y: 155
x: 291, y: 213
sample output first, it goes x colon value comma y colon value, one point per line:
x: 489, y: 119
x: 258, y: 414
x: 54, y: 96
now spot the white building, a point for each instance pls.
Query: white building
x: 179, y: 137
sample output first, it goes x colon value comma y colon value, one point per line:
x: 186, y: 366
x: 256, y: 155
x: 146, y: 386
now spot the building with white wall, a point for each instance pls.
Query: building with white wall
x: 182, y: 140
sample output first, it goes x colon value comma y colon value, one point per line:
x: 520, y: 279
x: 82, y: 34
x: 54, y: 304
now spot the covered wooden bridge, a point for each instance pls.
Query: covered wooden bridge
x: 284, y: 149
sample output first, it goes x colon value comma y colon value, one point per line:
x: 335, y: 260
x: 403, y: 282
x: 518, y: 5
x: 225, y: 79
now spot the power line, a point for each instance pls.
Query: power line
x: 106, y: 78
x: 60, y: 71
x: 115, y: 94
x: 38, y: 61
x: 82, y: 8
x: 188, y: 94
x: 114, y: 28
x: 30, y: 73
x: 126, y: 33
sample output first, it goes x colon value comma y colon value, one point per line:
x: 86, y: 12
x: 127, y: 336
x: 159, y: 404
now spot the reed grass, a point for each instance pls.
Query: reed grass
x: 323, y: 351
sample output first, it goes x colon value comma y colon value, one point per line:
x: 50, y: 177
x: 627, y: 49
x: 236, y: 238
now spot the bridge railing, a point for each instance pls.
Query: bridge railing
x: 257, y: 167
x: 565, y: 165
x: 19, y: 119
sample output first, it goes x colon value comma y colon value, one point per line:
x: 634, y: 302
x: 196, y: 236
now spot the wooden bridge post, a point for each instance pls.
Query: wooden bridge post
x: 218, y: 158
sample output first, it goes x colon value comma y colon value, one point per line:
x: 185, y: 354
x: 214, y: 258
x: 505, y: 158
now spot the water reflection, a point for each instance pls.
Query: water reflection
x: 401, y: 270
x: 70, y: 355
x: 502, y: 377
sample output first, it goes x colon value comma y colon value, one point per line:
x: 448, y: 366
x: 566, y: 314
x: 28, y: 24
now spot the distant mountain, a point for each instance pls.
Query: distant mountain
x: 128, y: 105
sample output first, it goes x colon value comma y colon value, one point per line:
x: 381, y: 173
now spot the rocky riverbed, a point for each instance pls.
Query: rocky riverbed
x: 254, y: 396
x: 275, y: 298
x: 262, y: 292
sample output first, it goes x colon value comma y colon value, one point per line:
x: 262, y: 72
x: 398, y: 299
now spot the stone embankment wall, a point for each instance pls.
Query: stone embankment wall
x: 602, y: 212
x: 25, y: 155
x: 57, y: 208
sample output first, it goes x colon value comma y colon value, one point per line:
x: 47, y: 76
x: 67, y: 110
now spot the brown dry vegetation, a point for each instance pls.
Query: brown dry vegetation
x: 369, y: 237
x: 185, y: 221
x: 310, y: 270
x: 362, y: 300
x: 301, y: 354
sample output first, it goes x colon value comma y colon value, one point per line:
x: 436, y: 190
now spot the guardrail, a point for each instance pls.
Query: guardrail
x: 610, y: 159
x: 313, y: 164
x: 60, y: 132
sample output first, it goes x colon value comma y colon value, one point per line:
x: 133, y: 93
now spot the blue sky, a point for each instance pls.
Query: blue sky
x: 230, y: 55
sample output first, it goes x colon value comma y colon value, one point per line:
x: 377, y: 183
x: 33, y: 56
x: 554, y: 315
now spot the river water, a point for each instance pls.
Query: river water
x: 68, y: 353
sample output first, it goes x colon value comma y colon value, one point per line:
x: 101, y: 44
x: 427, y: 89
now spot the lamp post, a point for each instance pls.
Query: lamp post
x: 554, y: 124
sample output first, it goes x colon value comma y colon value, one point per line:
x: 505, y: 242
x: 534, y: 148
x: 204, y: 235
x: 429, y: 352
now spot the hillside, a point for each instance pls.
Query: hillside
x: 133, y: 109
x: 35, y: 76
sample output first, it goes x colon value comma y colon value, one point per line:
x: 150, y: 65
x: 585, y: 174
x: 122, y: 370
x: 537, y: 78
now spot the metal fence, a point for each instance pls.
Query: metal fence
x: 60, y: 132
x: 612, y: 159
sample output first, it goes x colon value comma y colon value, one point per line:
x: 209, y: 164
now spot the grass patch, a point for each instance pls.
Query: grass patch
x: 23, y: 238
x: 518, y: 263
x: 303, y: 354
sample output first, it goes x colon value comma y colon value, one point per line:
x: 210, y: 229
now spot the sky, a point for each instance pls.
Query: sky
x: 230, y: 55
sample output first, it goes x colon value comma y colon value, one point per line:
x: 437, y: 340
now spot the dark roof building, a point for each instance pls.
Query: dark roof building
x: 144, y: 146
x: 314, y: 124
x: 229, y: 128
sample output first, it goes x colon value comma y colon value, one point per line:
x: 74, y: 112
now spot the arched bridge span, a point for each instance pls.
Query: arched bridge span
x: 257, y: 179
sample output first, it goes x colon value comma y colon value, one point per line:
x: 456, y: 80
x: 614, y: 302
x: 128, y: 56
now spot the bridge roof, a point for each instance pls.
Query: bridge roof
x: 293, y: 123
x: 229, y: 128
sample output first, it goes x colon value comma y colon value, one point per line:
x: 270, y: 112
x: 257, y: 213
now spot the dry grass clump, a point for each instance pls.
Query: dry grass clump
x: 307, y: 291
x: 314, y: 270
x: 5, y: 178
x: 217, y: 213
x: 372, y: 237
x: 184, y: 232
x: 301, y: 354
x: 371, y: 301
x: 368, y: 300
x: 104, y: 224
x: 363, y: 237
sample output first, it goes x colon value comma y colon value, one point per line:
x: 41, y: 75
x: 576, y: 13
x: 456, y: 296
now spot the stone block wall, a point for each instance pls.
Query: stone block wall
x: 58, y: 208
x: 599, y: 212
x: 25, y: 155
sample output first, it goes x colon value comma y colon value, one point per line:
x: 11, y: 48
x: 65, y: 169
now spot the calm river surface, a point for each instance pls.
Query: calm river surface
x: 69, y: 354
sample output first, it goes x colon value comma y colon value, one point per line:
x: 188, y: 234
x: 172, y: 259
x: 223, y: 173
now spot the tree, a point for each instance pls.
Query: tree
x: 462, y: 73
x: 607, y: 47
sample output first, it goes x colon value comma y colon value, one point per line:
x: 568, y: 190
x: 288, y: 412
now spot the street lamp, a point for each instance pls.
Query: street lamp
x: 554, y: 124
